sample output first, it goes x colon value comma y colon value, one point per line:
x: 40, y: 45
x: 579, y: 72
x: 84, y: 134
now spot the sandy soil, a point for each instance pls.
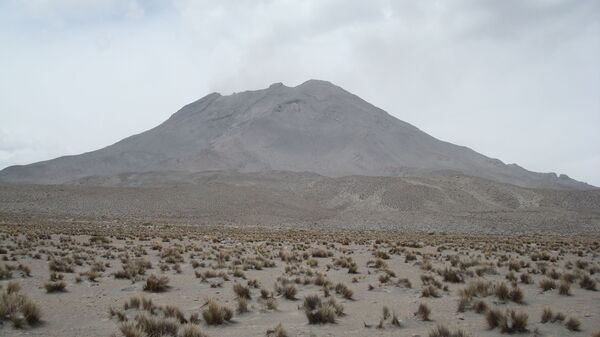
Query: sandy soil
x: 83, y: 308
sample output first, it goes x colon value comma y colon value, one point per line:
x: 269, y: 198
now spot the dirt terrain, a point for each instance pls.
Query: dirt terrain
x: 452, y: 203
x: 105, y: 279
x: 297, y: 254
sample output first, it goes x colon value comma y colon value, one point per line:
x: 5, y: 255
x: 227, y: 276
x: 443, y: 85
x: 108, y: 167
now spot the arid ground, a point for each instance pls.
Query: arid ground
x: 106, y: 278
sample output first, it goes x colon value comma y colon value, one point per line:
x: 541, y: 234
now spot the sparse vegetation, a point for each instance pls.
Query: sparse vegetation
x: 17, y: 308
x: 573, y: 324
x: 53, y: 287
x: 156, y: 284
x: 423, y: 312
x: 319, y: 312
x: 443, y: 331
x: 216, y: 314
x: 496, y: 273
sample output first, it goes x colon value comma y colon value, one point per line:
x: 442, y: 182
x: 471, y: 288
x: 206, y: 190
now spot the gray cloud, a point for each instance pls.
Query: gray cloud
x: 516, y: 80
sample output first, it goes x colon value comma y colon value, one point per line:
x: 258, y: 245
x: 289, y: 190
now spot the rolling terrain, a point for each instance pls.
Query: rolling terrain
x: 436, y: 203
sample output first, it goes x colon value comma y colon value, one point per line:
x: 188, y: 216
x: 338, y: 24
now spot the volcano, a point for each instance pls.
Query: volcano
x: 314, y: 127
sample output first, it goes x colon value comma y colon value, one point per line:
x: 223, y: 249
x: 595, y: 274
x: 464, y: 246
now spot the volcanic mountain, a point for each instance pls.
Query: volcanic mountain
x: 314, y: 127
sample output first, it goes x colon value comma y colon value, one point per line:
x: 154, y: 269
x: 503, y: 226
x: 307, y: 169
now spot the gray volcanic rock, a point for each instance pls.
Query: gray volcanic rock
x: 314, y: 127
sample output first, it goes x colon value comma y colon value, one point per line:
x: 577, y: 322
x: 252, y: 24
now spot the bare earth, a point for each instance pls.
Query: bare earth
x: 203, y: 263
x: 453, y: 203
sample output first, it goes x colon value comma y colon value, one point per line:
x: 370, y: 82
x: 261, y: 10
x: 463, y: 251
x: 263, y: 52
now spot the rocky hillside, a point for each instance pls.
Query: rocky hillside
x: 314, y: 127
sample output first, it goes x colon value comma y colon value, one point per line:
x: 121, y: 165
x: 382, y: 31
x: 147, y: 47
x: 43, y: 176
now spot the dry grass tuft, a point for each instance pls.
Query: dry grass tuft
x: 278, y: 331
x: 241, y: 291
x: 573, y: 324
x: 547, y: 315
x: 343, y: 290
x: 318, y: 312
x: 547, y: 284
x: 587, y: 283
x: 190, y: 330
x: 423, y: 312
x: 156, y: 284
x: 508, y: 322
x: 242, y: 305
x: 17, y: 307
x: 443, y: 331
x: 216, y: 314
x: 564, y: 288
x: 53, y: 287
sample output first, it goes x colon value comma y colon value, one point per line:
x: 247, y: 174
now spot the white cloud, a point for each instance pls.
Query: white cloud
x: 512, y: 79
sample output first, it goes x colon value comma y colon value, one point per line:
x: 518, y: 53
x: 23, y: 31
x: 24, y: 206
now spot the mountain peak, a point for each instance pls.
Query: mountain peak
x: 277, y: 85
x: 317, y: 82
x: 314, y: 127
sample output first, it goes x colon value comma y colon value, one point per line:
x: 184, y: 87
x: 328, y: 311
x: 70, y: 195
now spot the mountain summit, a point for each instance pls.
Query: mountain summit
x: 314, y: 127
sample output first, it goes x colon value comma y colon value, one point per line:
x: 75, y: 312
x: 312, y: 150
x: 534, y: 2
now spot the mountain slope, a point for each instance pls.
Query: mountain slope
x: 441, y: 203
x: 314, y: 127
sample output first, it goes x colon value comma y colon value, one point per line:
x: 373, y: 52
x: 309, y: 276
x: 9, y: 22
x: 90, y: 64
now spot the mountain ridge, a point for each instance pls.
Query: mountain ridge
x: 313, y: 127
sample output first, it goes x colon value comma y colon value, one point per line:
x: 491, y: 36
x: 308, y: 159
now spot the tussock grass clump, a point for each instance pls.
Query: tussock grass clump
x: 5, y: 272
x: 547, y: 284
x: 319, y: 312
x: 588, y: 283
x: 269, y: 303
x: 514, y: 265
x: 547, y: 315
x: 381, y: 255
x: 511, y: 277
x: 54, y: 276
x: 480, y: 307
x: 242, y: 305
x: 508, y: 322
x: 241, y: 291
x: 278, y: 331
x: 64, y: 265
x: 463, y: 304
x: 216, y: 314
x: 321, y: 253
x: 452, y: 275
x: 190, y: 330
x: 493, y: 318
x: 133, y: 303
x: 195, y: 318
x: 564, y: 288
x: 288, y: 291
x: 514, y: 322
x: 157, y: 326
x: 17, y: 307
x: 516, y: 295
x: 133, y: 270
x: 526, y: 278
x: 573, y: 324
x: 129, y: 329
x: 13, y: 287
x: 502, y: 292
x: 343, y: 290
x: 430, y: 291
x: 156, y: 284
x: 174, y: 312
x: 559, y: 317
x: 443, y: 331
x: 423, y: 312
x: 54, y: 287
x: 388, y: 316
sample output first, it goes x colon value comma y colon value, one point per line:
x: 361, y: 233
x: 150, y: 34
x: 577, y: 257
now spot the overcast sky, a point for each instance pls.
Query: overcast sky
x: 513, y: 79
